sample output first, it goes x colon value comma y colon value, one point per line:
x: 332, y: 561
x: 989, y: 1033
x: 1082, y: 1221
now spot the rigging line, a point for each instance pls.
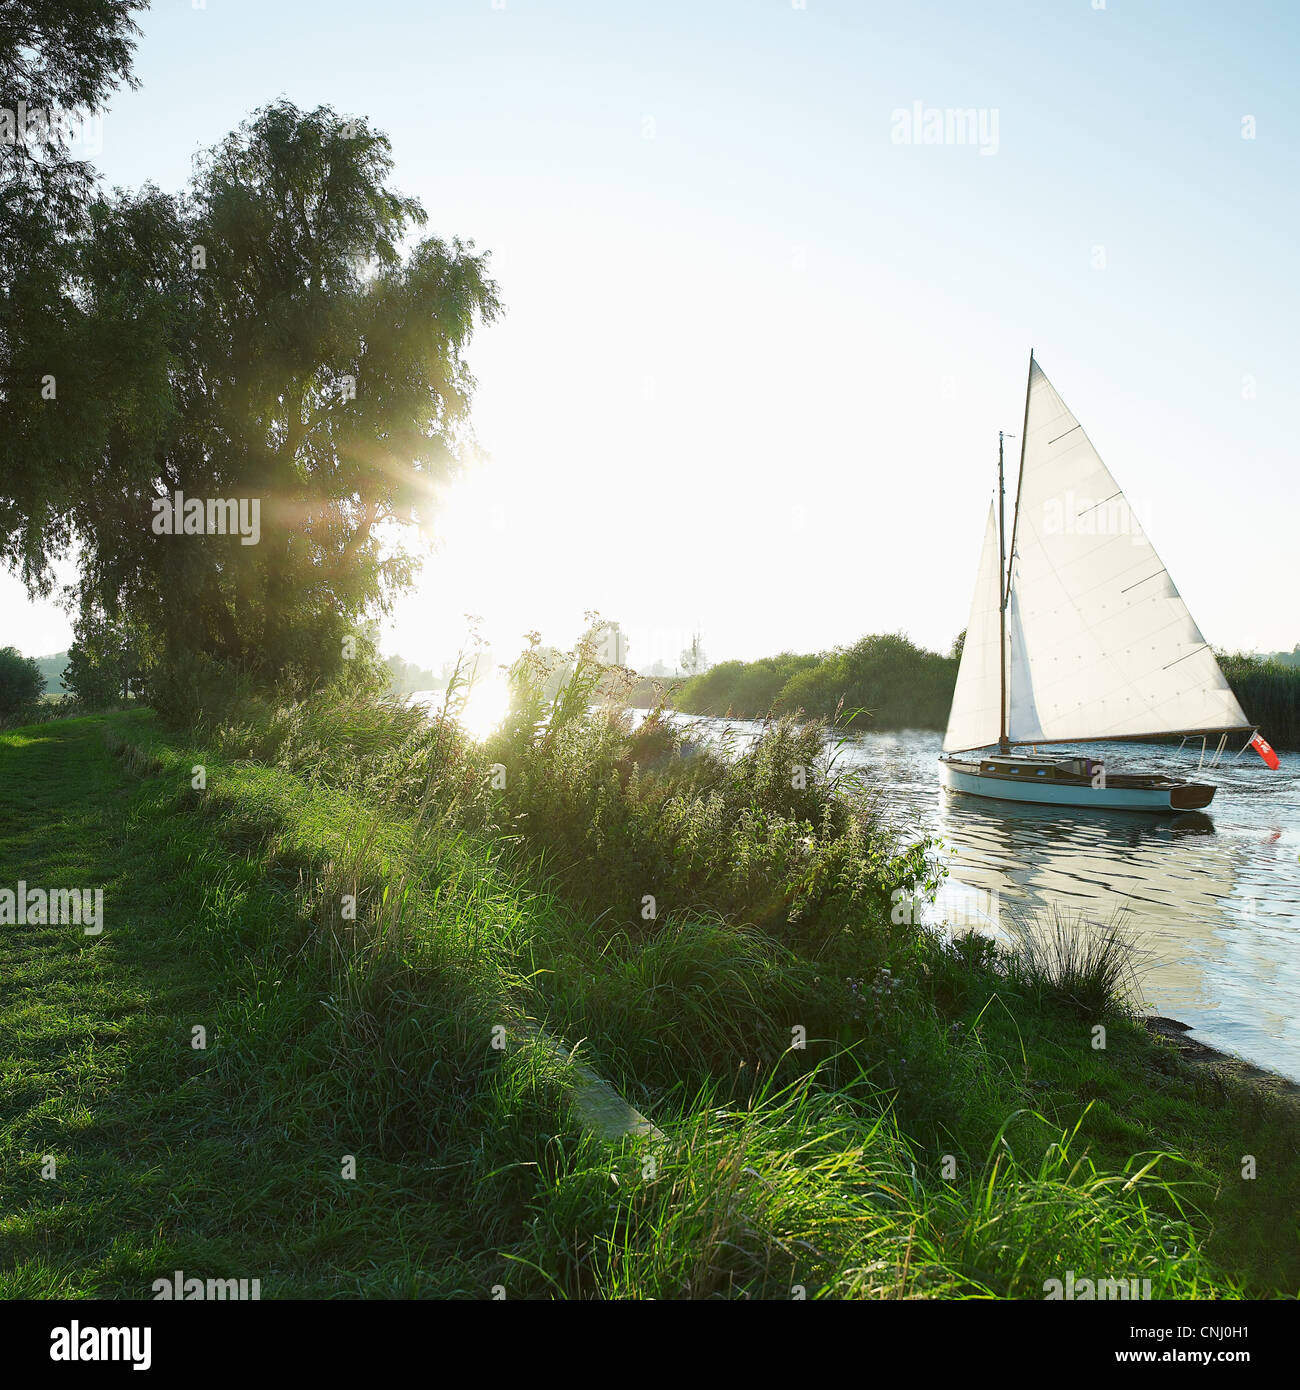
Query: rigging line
x: 1129, y: 682
x: 1064, y: 569
x: 1071, y: 430
x: 1152, y: 709
x: 1103, y: 501
x: 1020, y: 478
x: 1247, y: 744
x: 1205, y: 646
x: 1157, y: 574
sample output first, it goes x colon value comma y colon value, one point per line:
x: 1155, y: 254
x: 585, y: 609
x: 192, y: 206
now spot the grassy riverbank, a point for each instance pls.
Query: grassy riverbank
x: 949, y: 1129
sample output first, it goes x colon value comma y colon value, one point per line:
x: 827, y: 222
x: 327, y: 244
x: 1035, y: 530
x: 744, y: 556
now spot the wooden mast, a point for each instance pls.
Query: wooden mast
x: 1004, y: 579
x: 1003, y: 745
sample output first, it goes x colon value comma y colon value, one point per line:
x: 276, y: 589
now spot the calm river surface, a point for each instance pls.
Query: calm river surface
x: 1213, y: 896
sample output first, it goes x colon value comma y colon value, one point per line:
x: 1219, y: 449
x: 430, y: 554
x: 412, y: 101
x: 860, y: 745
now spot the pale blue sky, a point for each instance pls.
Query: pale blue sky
x: 757, y: 353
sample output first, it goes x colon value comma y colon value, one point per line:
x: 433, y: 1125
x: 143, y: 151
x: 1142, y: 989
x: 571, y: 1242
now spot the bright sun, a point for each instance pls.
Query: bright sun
x: 485, y: 707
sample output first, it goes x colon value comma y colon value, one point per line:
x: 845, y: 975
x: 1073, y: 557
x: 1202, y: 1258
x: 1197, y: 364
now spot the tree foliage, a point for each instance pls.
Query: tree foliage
x: 21, y: 681
x: 892, y: 682
x: 693, y: 658
x: 748, y: 689
x: 268, y: 337
x: 56, y: 56
x: 103, y: 660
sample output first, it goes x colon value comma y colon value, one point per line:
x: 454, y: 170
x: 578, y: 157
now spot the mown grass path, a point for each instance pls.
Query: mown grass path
x: 84, y: 1025
x: 222, y: 1162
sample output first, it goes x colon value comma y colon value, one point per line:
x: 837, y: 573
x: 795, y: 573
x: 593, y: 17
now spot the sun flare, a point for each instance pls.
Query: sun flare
x: 485, y: 707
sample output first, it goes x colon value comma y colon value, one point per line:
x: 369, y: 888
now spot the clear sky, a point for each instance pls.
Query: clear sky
x: 757, y: 348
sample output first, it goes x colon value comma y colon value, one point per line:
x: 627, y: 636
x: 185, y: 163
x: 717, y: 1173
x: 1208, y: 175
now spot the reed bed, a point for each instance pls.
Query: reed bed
x: 1269, y: 693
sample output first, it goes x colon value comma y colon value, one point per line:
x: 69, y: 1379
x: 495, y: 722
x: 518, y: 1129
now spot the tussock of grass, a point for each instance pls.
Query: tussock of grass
x: 1062, y: 955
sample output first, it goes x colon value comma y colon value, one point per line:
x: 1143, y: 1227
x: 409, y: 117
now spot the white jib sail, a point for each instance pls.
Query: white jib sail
x: 976, y: 714
x: 1101, y: 644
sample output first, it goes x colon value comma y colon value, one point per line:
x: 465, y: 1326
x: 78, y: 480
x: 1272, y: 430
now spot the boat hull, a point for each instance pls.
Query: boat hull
x: 1161, y: 796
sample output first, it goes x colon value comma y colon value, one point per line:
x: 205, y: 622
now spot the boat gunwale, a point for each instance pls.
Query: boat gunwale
x: 1170, y: 795
x: 1153, y: 781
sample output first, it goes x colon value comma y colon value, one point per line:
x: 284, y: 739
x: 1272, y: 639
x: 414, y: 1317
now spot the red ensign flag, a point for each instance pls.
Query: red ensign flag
x: 1264, y: 750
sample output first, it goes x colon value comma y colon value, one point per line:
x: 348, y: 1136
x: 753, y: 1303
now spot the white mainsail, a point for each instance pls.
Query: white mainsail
x: 976, y: 712
x: 1100, y: 644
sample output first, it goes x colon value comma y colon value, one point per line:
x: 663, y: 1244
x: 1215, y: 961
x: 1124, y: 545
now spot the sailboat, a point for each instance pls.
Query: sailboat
x: 1081, y: 638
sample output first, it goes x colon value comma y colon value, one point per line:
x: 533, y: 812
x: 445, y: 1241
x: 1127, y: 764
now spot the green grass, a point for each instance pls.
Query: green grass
x: 800, y: 1195
x: 949, y: 1130
x: 226, y: 1162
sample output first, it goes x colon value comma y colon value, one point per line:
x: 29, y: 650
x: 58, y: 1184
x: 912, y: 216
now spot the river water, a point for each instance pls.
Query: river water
x: 1212, y: 897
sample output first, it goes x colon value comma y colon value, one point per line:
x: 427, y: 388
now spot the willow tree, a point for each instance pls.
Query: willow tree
x: 59, y: 62
x: 276, y: 336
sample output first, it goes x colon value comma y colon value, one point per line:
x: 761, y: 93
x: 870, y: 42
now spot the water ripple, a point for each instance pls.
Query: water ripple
x: 1213, y: 896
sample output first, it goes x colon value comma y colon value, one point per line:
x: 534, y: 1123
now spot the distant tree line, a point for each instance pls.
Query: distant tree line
x: 405, y: 677
x: 883, y: 681
x: 52, y: 669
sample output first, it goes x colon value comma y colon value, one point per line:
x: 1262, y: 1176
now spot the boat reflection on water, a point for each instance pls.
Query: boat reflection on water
x: 1211, y: 948
x: 1096, y: 864
x: 1211, y: 897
